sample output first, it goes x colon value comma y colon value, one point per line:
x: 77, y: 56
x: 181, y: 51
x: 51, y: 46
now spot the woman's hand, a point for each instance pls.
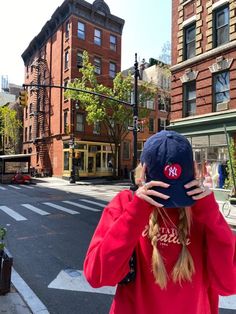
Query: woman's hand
x: 145, y: 192
x: 199, y: 192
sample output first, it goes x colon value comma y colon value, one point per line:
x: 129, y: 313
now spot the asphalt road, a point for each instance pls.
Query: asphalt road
x: 48, y: 235
x: 49, y: 227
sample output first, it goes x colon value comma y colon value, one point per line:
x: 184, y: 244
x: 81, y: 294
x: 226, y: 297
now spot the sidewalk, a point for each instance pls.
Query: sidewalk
x: 21, y: 299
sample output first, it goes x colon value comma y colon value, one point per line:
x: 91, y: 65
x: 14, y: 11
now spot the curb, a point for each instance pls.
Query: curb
x: 27, y: 294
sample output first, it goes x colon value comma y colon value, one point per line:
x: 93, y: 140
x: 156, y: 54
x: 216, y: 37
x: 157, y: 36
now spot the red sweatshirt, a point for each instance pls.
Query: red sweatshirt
x: 123, y: 227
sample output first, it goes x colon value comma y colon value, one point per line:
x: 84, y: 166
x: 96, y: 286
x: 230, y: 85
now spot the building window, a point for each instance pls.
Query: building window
x: 150, y: 104
x: 97, y: 37
x: 79, y: 61
x: 113, y: 41
x: 66, y: 60
x: 97, y: 128
x: 81, y: 30
x: 151, y: 125
x: 126, y: 150
x: 221, y: 91
x: 112, y: 70
x: 67, y: 30
x: 189, y: 106
x: 161, y: 124
x: 31, y: 108
x: 79, y: 122
x: 26, y: 112
x: 26, y: 130
x: 97, y: 65
x: 30, y: 132
x: 66, y: 160
x: 221, y: 26
x: 66, y: 126
x: 189, y: 41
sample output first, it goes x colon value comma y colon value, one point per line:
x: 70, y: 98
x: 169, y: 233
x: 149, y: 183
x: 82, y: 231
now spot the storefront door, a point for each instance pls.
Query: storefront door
x: 91, y: 164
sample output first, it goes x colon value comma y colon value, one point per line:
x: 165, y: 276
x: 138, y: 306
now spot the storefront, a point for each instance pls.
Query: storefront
x: 207, y: 136
x: 91, y: 159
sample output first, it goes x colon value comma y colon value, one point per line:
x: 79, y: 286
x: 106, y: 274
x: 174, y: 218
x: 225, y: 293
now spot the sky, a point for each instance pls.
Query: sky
x: 147, y: 28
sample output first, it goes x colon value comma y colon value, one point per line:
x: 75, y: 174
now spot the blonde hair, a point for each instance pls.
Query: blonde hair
x: 184, y: 266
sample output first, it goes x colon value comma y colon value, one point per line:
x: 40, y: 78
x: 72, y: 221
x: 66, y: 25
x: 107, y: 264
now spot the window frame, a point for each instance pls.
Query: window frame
x: 188, y: 101
x: 97, y: 39
x: 97, y: 65
x: 187, y: 54
x: 81, y: 31
x: 113, y: 44
x: 79, y: 123
x: 112, y: 72
x: 214, y: 102
x: 217, y: 11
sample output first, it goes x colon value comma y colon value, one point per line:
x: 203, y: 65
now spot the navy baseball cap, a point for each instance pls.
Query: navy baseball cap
x: 169, y: 158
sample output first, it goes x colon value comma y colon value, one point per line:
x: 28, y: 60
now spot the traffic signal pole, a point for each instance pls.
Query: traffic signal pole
x: 135, y: 113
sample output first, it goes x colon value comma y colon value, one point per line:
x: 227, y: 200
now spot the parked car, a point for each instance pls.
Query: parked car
x: 21, y: 178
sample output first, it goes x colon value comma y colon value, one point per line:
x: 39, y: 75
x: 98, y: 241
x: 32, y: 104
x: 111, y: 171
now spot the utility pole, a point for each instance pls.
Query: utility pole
x: 135, y: 113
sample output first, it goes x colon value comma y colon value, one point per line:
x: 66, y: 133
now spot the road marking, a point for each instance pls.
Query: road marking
x: 228, y: 302
x: 29, y: 296
x: 74, y: 280
x: 14, y: 187
x: 12, y: 213
x: 26, y: 186
x: 92, y: 202
x: 64, y: 209
x: 35, y: 209
x: 82, y: 206
x: 2, y: 188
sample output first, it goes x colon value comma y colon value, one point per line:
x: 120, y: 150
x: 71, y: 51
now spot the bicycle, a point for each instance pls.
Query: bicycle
x: 231, y: 200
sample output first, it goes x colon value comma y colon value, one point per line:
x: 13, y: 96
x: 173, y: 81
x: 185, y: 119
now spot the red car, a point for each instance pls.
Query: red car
x: 21, y: 178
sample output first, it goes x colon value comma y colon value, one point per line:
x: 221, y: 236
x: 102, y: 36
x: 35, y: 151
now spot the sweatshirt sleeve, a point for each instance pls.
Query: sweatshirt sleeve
x: 118, y: 231
x: 220, y: 245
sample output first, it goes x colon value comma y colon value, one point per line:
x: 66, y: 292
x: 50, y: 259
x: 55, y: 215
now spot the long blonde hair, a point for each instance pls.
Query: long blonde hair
x: 184, y: 266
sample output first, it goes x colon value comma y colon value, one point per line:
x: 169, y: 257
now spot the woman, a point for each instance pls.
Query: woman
x: 185, y: 251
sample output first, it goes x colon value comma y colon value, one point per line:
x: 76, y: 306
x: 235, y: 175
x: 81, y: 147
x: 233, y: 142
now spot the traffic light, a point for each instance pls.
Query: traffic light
x: 23, y: 98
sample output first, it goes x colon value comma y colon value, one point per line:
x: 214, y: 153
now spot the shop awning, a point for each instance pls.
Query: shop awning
x: 212, y: 123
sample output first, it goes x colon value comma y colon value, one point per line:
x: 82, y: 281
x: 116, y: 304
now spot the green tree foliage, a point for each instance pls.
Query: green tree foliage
x: 229, y: 182
x: 9, y: 129
x: 115, y: 116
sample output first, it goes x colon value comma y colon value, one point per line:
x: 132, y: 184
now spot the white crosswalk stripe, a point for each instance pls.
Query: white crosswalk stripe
x: 26, y: 186
x: 12, y: 213
x: 90, y: 206
x: 82, y: 206
x: 14, y: 187
x: 35, y: 209
x: 92, y: 202
x: 64, y: 209
x: 2, y: 188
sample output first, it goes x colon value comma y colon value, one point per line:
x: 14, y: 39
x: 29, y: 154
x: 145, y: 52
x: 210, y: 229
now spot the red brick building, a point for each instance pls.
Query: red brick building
x: 54, y: 57
x: 203, y: 90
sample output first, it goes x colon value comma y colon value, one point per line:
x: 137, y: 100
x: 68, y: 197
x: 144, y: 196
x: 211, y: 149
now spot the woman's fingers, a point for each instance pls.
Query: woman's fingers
x: 145, y: 192
x: 199, y: 191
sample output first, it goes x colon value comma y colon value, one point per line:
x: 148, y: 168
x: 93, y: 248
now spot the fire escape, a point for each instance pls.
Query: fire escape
x: 41, y: 116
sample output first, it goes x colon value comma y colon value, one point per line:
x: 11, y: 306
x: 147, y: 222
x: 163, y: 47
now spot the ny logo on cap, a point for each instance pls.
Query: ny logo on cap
x: 172, y: 171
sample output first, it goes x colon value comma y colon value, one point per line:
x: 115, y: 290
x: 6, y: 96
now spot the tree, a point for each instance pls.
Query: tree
x: 114, y: 115
x: 229, y: 182
x: 9, y: 129
x: 165, y: 55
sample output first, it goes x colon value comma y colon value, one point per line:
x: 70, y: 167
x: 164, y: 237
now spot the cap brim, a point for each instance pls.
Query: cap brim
x: 178, y: 196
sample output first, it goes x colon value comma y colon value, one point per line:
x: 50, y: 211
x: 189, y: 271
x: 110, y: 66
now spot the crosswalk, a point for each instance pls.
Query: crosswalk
x: 91, y: 191
x: 63, y: 206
